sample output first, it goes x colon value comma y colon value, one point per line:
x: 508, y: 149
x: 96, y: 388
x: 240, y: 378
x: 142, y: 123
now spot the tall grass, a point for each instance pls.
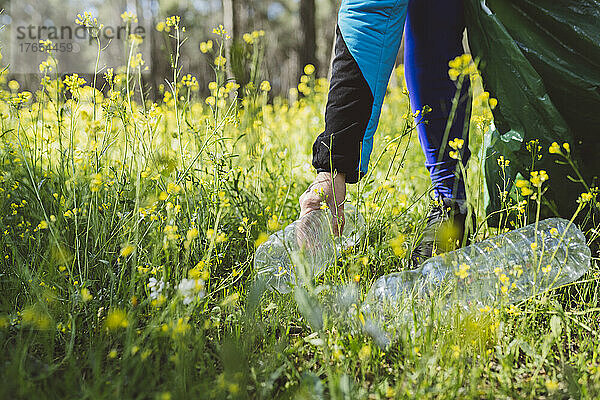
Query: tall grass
x: 128, y: 229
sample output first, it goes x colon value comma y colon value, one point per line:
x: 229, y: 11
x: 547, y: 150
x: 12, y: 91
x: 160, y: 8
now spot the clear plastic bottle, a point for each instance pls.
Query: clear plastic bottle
x: 502, y: 269
x: 305, y: 248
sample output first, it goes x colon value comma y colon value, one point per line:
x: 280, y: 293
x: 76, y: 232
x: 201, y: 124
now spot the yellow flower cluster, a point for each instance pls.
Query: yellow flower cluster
x: 397, y: 245
x: 20, y: 98
x: 220, y: 31
x: 88, y: 20
x: 309, y: 69
x: 47, y: 66
x: 96, y: 182
x: 136, y: 60
x: 265, y: 86
x: 190, y: 82
x: 173, y: 188
x: 116, y: 318
x: 461, y: 66
x: 456, y: 144
x: 524, y: 186
x: 200, y: 271
x: 555, y: 148
x: 220, y: 61
x: 505, y: 284
x: 484, y: 100
x: 219, y: 237
x: 170, y: 232
x: 253, y: 37
x: 127, y: 249
x: 129, y: 17
x: 207, y: 46
x: 36, y: 318
x: 273, y: 223
x: 586, y: 197
x: 502, y: 162
x: 41, y: 226
x: 538, y: 178
x: 463, y: 271
x: 173, y: 21
x: 73, y: 83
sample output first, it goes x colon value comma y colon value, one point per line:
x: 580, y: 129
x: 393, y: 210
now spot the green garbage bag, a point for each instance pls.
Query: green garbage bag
x: 541, y: 60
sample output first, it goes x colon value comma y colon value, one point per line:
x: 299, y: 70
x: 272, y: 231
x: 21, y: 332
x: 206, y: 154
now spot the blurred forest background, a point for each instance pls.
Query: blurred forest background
x: 296, y: 33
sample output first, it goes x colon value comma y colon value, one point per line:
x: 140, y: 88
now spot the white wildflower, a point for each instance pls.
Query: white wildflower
x: 156, y: 287
x: 190, y: 289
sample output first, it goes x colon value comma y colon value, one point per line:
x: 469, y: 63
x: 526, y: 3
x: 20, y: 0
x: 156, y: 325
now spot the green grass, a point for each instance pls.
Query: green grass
x: 98, y: 196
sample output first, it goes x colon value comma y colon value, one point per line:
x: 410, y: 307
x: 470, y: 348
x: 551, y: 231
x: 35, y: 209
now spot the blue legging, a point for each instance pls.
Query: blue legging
x: 433, y: 36
x: 368, y: 37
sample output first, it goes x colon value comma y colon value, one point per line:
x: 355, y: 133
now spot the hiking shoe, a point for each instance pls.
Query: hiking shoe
x: 445, y: 230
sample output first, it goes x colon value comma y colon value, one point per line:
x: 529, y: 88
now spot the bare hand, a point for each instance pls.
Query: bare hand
x: 330, y: 189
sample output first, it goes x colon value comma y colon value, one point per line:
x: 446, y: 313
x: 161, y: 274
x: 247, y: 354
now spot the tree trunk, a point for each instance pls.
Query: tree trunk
x: 231, y: 18
x: 231, y: 23
x: 308, y: 35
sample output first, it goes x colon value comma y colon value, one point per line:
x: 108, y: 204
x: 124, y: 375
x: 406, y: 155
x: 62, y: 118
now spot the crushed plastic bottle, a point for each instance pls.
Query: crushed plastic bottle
x: 500, y: 270
x: 307, y: 243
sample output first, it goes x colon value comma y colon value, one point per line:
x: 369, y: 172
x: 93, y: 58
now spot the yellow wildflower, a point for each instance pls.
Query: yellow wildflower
x: 13, y: 85
x: 127, y: 249
x: 547, y: 269
x: 265, y: 86
x: 262, y: 237
x: 538, y: 178
x: 86, y: 295
x: 173, y: 188
x: 96, y: 182
x: 207, y: 46
x: 462, y: 271
x: 192, y: 234
x: 524, y: 186
x: 551, y: 385
x: 586, y: 197
x: 116, y: 318
x: 273, y: 223
x: 364, y: 353
x: 456, y: 143
x: 171, y: 232
x: 502, y: 162
x: 554, y: 148
x: 36, y: 318
x: 173, y: 21
x: 220, y: 61
x: 397, y: 245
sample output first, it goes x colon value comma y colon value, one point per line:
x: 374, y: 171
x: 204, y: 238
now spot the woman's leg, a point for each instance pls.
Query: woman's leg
x: 433, y: 36
x: 367, y: 41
